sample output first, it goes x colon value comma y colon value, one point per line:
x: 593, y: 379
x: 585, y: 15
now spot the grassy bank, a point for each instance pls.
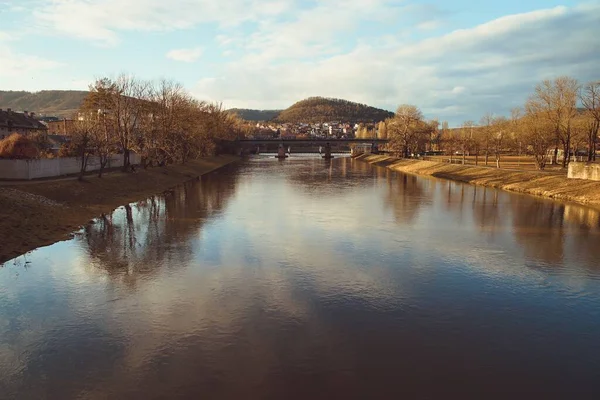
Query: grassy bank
x: 545, y: 184
x: 41, y: 213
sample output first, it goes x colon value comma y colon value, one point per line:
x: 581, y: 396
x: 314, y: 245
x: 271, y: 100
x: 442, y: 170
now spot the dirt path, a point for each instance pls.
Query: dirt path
x: 546, y: 184
x: 41, y: 213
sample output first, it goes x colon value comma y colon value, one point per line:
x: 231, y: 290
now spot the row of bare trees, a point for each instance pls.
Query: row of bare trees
x: 159, y: 121
x: 553, y: 120
x: 559, y: 119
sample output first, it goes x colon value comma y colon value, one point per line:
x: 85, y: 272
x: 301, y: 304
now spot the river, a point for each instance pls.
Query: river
x: 309, y: 279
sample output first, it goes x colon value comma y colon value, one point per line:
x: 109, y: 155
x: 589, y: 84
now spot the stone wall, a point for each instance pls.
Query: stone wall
x: 47, y: 168
x: 578, y: 170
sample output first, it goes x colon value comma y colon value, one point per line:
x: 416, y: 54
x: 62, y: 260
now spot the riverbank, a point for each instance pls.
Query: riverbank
x: 42, y: 213
x: 546, y: 184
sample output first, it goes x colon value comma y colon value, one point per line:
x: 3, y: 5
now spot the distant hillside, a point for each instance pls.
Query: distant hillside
x: 255, y: 115
x: 320, y: 109
x: 62, y: 103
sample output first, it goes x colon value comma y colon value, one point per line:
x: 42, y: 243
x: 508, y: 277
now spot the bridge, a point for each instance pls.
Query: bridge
x: 309, y: 141
x: 300, y: 146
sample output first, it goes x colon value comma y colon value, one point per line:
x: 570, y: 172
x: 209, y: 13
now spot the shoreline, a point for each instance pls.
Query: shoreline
x: 542, y: 184
x: 39, y: 214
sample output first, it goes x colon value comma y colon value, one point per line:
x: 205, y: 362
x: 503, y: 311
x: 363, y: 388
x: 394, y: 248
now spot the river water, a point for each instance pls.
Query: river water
x: 308, y: 279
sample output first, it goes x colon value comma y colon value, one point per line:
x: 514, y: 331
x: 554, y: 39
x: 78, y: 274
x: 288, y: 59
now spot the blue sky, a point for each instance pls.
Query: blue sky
x: 456, y: 60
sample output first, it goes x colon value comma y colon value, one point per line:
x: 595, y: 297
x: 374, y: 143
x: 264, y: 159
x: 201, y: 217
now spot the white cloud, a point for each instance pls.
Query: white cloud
x: 279, y: 51
x: 499, y: 62
x: 224, y: 40
x: 429, y: 25
x: 185, y: 55
x: 103, y: 20
x: 318, y: 31
x: 18, y: 64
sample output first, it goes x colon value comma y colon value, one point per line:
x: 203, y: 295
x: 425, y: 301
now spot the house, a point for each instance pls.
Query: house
x: 63, y: 127
x: 23, y: 123
x: 55, y: 142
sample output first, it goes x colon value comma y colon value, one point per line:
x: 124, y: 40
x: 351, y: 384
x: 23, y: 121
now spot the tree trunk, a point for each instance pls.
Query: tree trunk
x: 567, y: 154
x: 126, y: 160
x: 101, y: 169
x: 84, y: 159
x: 540, y: 161
x: 103, y: 162
x: 590, y: 146
x: 592, y: 140
x: 477, y: 158
x: 497, y: 160
x: 487, y: 156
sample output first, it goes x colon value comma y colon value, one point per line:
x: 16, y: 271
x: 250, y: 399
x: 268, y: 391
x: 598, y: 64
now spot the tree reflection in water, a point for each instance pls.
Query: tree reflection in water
x: 586, y: 244
x: 331, y: 178
x: 405, y: 195
x: 139, y: 239
x: 541, y: 228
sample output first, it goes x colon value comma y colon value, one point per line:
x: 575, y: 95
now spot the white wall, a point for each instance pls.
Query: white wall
x: 45, y: 168
x: 579, y: 170
x: 14, y: 169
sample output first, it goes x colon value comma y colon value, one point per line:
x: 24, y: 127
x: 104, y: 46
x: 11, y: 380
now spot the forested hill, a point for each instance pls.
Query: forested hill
x: 255, y: 115
x: 62, y: 103
x: 320, y: 109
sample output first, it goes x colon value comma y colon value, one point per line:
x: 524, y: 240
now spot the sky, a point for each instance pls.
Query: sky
x: 456, y: 60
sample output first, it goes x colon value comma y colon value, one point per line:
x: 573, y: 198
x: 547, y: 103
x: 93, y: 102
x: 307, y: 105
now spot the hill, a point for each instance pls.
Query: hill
x: 321, y: 109
x: 255, y: 115
x: 62, y: 103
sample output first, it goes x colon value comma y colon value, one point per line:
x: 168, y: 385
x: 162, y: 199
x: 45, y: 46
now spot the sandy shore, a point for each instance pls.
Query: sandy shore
x: 546, y: 184
x: 39, y: 214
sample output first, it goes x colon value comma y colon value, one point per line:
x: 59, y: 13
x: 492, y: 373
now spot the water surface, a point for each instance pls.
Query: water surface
x: 304, y: 279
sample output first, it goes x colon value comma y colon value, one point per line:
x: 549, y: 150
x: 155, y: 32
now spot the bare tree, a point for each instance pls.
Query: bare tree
x: 556, y: 100
x: 590, y: 99
x: 407, y: 130
x: 125, y: 101
x: 498, y: 133
x: 160, y: 121
x: 537, y: 131
x: 435, y: 135
x: 82, y: 141
x: 486, y: 132
x: 167, y: 125
x: 466, y: 139
x: 581, y: 131
x: 131, y: 108
x: 97, y: 106
x: 448, y: 138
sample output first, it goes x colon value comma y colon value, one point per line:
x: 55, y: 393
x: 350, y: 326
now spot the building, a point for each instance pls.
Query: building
x: 62, y: 127
x: 55, y: 142
x: 23, y: 123
x: 47, y: 118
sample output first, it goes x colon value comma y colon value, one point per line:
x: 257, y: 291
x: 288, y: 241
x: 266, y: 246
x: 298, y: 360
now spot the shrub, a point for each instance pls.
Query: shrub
x: 18, y: 147
x: 68, y: 150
